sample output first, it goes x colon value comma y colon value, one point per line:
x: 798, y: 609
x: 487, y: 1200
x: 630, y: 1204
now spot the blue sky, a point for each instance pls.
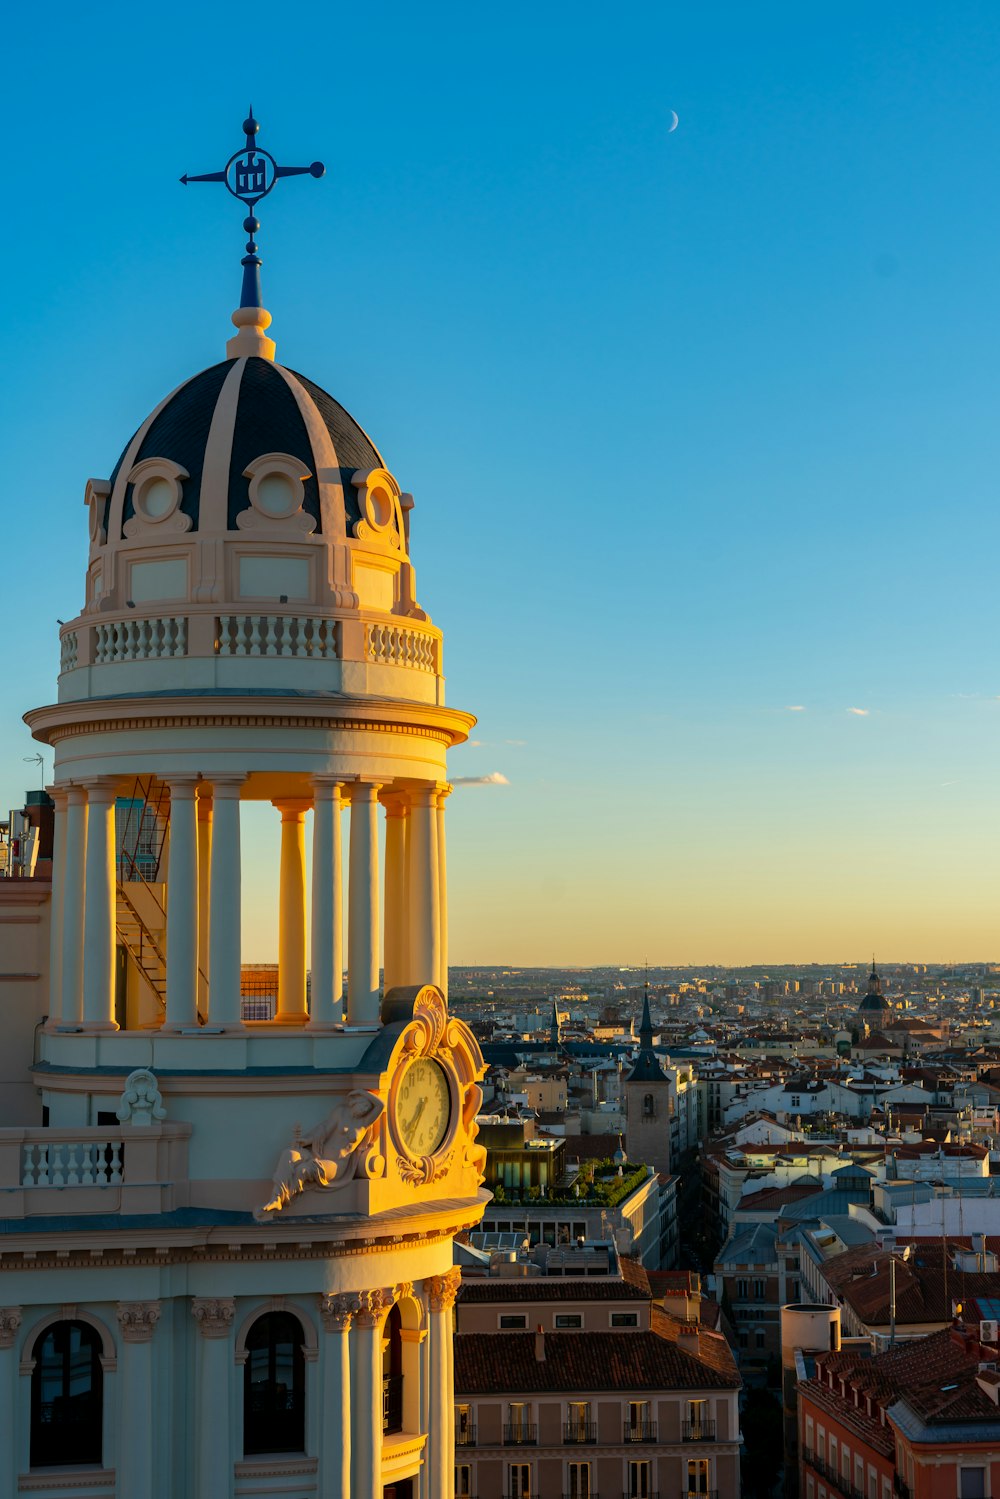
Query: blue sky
x: 700, y: 425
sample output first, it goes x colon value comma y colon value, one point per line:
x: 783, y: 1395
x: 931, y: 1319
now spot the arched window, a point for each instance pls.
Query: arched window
x: 274, y: 1409
x: 66, y: 1396
x: 648, y: 1106
x: 392, y: 1372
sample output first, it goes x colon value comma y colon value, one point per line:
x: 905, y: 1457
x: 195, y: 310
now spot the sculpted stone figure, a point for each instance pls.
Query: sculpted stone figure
x: 323, y: 1157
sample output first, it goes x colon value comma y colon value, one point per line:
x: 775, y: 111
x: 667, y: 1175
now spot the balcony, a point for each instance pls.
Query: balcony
x: 699, y: 1494
x: 640, y: 1431
x: 465, y: 1436
x: 581, y: 1431
x: 649, y: 1494
x: 698, y: 1431
x: 900, y: 1487
x: 523, y: 1434
x: 839, y: 1483
x: 87, y: 1169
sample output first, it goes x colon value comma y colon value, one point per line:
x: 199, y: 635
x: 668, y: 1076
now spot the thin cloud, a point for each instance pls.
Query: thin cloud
x: 476, y: 743
x: 859, y: 712
x: 495, y: 778
x: 519, y: 743
x: 794, y: 708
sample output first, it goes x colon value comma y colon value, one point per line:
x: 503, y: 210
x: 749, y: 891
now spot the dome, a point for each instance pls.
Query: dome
x: 213, y: 428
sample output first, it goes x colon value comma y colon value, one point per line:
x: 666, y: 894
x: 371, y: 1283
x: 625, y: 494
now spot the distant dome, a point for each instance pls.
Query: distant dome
x: 215, y: 425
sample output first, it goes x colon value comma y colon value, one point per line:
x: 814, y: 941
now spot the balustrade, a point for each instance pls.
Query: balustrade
x: 277, y: 635
x: 391, y: 645
x: 140, y: 639
x: 68, y: 651
x: 74, y: 1163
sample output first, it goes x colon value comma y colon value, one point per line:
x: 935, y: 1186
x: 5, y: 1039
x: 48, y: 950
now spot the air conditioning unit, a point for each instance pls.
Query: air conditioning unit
x: 988, y: 1330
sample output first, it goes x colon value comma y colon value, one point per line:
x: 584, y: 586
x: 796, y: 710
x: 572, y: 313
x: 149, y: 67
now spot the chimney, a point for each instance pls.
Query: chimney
x: 540, y: 1343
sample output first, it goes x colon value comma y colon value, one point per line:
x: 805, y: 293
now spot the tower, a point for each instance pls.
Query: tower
x: 231, y: 1240
x: 647, y: 1102
x: 874, y: 1005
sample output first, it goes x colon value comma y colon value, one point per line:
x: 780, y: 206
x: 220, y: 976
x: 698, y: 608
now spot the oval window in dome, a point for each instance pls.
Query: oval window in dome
x: 277, y: 494
x: 380, y: 508
x: 157, y: 497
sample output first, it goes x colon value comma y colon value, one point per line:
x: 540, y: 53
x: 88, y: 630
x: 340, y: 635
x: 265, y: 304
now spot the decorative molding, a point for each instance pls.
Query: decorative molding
x: 290, y: 520
x: 328, y: 1156
x: 141, y: 1101
x: 442, y: 1289
x: 337, y: 1311
x: 138, y: 1320
x: 214, y: 1316
x: 84, y: 1478
x: 372, y: 1306
x: 172, y: 520
x: 10, y: 1321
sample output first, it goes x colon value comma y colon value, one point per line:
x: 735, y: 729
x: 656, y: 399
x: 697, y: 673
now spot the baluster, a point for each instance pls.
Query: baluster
x: 43, y: 1174
x: 76, y: 1166
x: 57, y: 1165
x: 29, y: 1171
x: 255, y: 633
x: 180, y: 635
x: 287, y: 647
x: 270, y: 649
x: 116, y: 1165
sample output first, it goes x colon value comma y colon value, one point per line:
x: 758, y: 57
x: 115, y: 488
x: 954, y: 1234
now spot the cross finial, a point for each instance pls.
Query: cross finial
x: 250, y: 174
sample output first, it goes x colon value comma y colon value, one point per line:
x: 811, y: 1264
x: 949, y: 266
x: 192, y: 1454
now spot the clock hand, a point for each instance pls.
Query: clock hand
x: 416, y: 1115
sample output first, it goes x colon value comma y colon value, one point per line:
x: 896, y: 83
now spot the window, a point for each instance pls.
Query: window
x: 624, y: 1319
x: 578, y: 1426
x: 972, y: 1483
x: 638, y: 1427
x: 859, y: 1474
x: 510, y: 1321
x: 744, y: 1341
x: 519, y: 1428
x: 742, y: 1289
x: 698, y: 1428
x: 697, y: 1475
x: 463, y: 1481
x: 66, y: 1396
x: 648, y: 1106
x: 759, y: 1289
x: 579, y: 1481
x: 519, y: 1481
x: 274, y: 1386
x: 760, y: 1337
x: 465, y: 1431
x: 568, y: 1319
x: 392, y: 1372
x: 639, y: 1481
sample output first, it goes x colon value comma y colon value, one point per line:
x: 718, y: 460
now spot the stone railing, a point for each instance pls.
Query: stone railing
x: 139, y: 639
x: 68, y: 651
x: 394, y: 645
x: 277, y: 635
x: 133, y: 1169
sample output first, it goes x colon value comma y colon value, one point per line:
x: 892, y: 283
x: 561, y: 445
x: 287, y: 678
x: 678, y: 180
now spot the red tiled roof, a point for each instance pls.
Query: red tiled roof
x: 504, y: 1363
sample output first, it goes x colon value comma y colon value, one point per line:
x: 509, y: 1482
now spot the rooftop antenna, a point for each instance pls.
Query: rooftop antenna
x: 250, y: 174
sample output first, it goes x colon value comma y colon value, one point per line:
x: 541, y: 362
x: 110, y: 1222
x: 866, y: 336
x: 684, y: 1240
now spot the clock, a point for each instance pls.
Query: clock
x: 423, y: 1107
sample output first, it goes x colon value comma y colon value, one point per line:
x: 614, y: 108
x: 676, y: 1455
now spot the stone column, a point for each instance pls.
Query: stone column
x: 60, y: 795
x: 443, y: 794
x: 182, y: 907
x: 335, y: 1396
x: 394, y: 944
x: 204, y: 876
x: 441, y: 1292
x: 362, y: 915
x: 326, y: 1001
x: 10, y: 1324
x: 212, y: 1437
x: 99, y: 908
x: 424, y: 890
x: 366, y: 1392
x: 225, y: 932
x: 71, y: 1009
x: 292, y: 914
x: 137, y: 1320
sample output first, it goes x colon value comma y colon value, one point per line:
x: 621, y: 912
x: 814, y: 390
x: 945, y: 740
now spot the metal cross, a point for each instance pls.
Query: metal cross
x: 250, y: 174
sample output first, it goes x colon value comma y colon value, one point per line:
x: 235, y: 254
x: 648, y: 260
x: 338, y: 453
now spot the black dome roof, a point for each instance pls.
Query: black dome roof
x: 268, y: 419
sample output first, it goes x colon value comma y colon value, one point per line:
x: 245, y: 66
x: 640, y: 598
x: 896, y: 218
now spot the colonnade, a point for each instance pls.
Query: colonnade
x: 203, y: 931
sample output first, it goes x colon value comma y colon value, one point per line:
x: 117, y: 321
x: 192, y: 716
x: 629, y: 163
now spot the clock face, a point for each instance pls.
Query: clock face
x: 423, y: 1107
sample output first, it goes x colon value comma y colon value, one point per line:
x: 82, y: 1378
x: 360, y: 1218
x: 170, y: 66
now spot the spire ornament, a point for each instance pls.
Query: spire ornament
x: 250, y: 175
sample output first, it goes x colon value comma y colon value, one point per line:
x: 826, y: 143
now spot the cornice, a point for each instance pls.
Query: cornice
x: 59, y: 721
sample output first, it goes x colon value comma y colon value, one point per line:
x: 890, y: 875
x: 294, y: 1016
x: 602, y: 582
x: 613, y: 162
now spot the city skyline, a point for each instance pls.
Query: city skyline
x: 724, y: 623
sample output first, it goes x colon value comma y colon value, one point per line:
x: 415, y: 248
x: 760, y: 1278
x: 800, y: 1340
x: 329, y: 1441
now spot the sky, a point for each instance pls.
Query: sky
x: 701, y: 423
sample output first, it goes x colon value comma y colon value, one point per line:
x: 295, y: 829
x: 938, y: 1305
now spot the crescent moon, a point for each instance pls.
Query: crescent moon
x: 673, y: 122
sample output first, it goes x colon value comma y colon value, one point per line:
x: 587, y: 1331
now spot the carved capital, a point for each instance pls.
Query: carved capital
x: 371, y: 1306
x: 442, y: 1289
x: 338, y: 1311
x: 213, y: 1315
x: 138, y: 1320
x: 10, y: 1321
